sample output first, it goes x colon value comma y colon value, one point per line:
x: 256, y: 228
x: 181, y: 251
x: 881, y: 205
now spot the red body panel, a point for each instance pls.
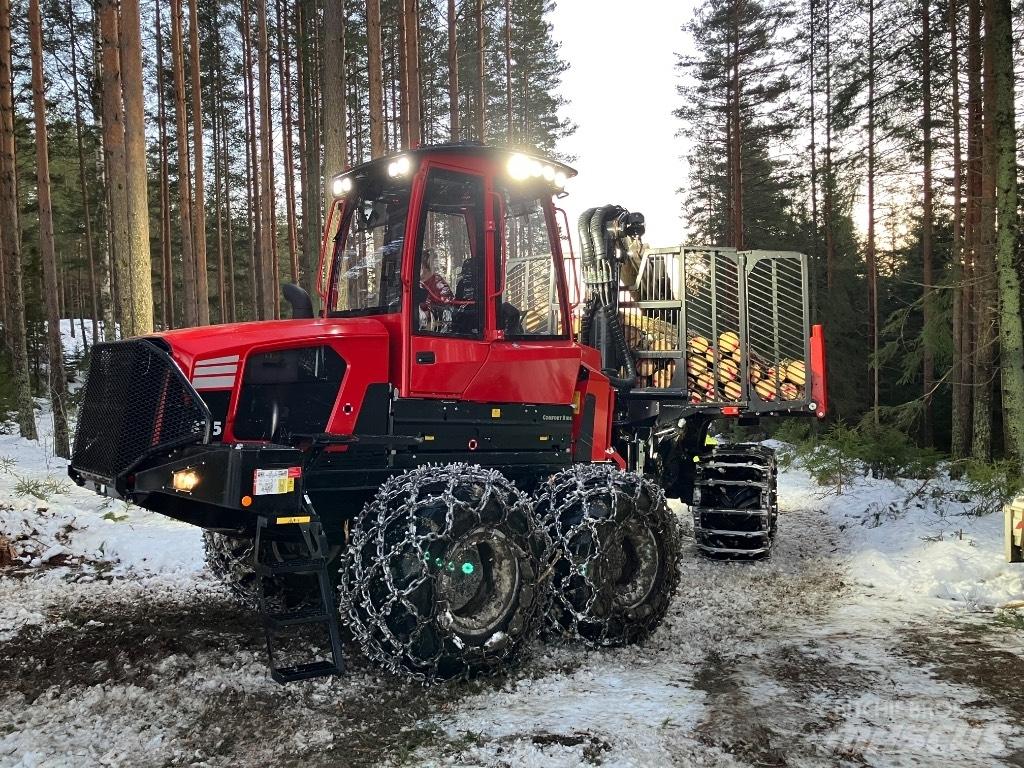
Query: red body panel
x: 362, y: 342
x: 539, y: 372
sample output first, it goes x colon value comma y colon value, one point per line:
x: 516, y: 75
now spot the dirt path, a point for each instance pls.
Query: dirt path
x: 772, y: 663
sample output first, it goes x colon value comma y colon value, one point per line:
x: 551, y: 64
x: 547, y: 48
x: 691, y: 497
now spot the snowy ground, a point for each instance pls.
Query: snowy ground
x: 873, y: 636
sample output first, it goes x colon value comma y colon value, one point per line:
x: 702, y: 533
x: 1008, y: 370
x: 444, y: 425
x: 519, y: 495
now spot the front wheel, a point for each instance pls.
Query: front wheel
x: 441, y: 578
x: 616, y: 560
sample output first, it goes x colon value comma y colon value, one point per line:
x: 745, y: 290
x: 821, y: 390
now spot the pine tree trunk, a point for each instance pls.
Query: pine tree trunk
x: 814, y: 169
x: 199, y: 199
x: 412, y: 65
x: 253, y: 206
x: 47, y: 253
x: 986, y: 295
x: 872, y: 260
x: 373, y: 45
x: 231, y: 297
x: 167, y: 305
x: 481, y: 72
x: 334, y: 92
x: 137, y: 281
x: 266, y: 158
x: 960, y: 368
x: 400, y: 92
x: 1011, y: 336
x: 188, y: 260
x: 284, y: 71
x: 218, y: 178
x: 927, y: 224
x: 14, y: 298
x: 736, y: 143
x: 310, y: 149
x: 220, y: 162
x: 829, y: 192
x: 453, y: 74
x: 508, y: 73
x: 83, y: 184
x: 116, y: 162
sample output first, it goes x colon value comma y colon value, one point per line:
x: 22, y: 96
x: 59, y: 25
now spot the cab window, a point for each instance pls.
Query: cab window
x: 449, y: 256
x: 530, y: 305
x: 367, y: 270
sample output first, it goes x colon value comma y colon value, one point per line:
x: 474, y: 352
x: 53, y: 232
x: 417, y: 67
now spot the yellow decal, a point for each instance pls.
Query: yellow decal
x: 428, y: 438
x: 495, y: 413
x: 544, y: 438
x: 293, y: 520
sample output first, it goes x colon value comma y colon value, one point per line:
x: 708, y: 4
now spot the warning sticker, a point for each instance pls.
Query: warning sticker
x: 267, y: 482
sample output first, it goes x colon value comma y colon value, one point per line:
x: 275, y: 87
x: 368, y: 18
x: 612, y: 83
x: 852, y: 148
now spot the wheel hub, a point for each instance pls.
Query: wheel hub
x: 478, y: 582
x: 633, y: 563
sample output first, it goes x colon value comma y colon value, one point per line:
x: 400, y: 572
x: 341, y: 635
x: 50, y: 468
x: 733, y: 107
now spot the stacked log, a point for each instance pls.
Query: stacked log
x: 705, y: 382
x: 786, y: 382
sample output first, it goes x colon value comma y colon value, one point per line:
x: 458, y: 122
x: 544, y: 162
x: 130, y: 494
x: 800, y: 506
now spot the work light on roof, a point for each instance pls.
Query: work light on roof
x: 341, y: 186
x: 400, y: 166
x: 519, y: 167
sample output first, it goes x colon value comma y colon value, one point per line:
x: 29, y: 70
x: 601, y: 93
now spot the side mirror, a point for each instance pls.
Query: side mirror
x: 302, y: 304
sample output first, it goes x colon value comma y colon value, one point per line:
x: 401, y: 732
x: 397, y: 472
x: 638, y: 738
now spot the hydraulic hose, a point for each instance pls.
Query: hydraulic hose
x: 628, y: 381
x: 587, y: 263
x: 601, y: 274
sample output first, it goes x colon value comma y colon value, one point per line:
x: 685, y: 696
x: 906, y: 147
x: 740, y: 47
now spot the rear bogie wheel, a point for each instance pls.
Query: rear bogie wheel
x: 441, y: 577
x: 616, y: 554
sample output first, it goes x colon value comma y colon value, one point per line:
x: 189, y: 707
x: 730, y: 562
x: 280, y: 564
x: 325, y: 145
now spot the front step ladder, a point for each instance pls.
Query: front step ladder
x: 313, y: 563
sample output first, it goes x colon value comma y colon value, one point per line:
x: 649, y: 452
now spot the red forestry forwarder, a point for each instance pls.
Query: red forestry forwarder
x: 439, y: 445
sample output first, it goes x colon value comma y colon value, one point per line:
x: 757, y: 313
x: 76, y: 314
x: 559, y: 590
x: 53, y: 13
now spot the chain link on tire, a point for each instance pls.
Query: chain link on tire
x: 441, y: 577
x: 230, y: 559
x: 616, y: 555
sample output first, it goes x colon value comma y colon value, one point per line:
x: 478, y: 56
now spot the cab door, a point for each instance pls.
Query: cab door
x: 448, y: 312
x: 533, y: 358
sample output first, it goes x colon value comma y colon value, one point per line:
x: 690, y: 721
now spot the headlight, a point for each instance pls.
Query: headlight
x: 185, y: 480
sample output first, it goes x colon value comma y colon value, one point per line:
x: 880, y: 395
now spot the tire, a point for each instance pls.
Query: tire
x: 440, y: 580
x: 230, y: 559
x: 616, y: 554
x: 719, y: 504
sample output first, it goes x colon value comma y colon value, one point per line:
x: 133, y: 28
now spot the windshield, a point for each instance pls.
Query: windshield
x: 368, y: 259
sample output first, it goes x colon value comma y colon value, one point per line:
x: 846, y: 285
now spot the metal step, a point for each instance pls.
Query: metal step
x: 296, y: 618
x: 738, y: 534
x: 305, y: 671
x: 311, y: 534
x: 732, y: 551
x: 308, y: 566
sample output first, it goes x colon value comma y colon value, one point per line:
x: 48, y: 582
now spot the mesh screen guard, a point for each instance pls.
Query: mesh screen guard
x: 136, y: 403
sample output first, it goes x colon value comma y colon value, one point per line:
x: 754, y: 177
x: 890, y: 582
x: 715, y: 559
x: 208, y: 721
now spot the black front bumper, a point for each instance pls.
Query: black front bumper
x: 226, y: 496
x: 141, y: 421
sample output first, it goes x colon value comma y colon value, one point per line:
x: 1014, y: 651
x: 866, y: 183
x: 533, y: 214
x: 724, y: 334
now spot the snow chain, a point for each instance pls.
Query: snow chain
x: 400, y: 580
x: 617, y: 554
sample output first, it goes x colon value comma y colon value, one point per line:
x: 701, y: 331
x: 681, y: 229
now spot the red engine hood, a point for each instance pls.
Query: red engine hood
x: 191, y: 344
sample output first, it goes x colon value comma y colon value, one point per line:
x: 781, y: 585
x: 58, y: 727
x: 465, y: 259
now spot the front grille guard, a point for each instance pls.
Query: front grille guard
x: 136, y: 403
